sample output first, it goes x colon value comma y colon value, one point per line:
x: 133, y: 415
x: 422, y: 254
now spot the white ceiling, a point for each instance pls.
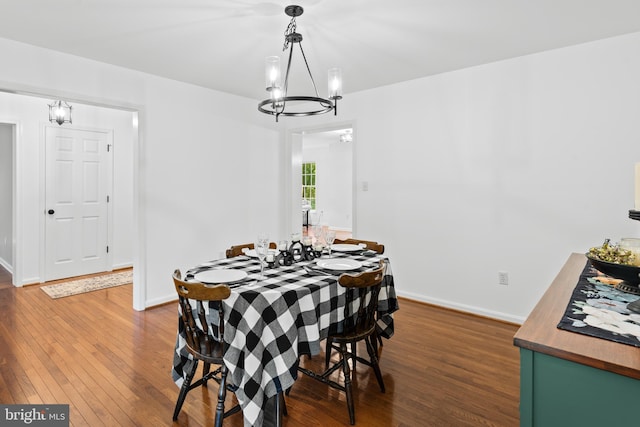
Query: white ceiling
x: 221, y: 44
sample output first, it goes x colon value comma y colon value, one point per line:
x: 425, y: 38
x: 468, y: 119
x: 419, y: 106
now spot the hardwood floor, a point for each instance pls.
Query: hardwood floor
x: 5, y: 279
x: 112, y: 365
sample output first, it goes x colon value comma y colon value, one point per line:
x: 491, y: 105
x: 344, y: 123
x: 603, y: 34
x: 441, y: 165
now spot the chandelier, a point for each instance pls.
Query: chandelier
x: 346, y: 136
x: 60, y: 112
x: 280, y: 102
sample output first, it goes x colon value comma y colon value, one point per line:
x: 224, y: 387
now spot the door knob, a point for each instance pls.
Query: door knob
x: 51, y: 211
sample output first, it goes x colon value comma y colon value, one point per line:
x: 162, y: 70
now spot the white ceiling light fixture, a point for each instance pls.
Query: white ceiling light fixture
x: 60, y: 112
x: 347, y: 136
x: 280, y: 103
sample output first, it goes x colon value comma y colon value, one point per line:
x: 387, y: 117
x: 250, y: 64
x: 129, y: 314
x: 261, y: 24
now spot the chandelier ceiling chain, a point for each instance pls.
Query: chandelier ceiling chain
x: 291, y: 28
x: 280, y: 102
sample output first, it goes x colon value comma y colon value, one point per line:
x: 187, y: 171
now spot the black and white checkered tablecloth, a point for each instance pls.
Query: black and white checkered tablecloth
x: 271, y: 322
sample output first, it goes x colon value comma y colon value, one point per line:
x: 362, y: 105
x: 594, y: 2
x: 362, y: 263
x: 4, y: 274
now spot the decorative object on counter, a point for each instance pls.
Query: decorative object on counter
x: 280, y: 102
x: 627, y: 273
x: 600, y: 310
x: 632, y: 244
x: 612, y: 253
x: 617, y: 262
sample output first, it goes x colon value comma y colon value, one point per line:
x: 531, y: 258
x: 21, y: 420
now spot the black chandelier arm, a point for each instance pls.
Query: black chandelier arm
x: 286, y: 80
x: 313, y: 82
x: 326, y: 105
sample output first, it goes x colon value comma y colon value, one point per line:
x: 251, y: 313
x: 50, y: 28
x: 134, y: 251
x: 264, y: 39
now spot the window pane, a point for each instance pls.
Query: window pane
x: 309, y: 182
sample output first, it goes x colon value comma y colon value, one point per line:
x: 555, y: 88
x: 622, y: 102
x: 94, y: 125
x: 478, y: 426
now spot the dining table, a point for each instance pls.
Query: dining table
x: 273, y: 319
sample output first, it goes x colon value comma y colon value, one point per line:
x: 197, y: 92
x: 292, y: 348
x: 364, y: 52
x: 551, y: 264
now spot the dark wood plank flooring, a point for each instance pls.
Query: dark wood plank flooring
x: 112, y: 365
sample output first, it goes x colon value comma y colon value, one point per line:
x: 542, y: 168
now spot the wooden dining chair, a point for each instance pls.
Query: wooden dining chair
x: 204, y: 340
x: 359, y: 325
x: 370, y: 245
x: 236, y: 250
x: 379, y: 249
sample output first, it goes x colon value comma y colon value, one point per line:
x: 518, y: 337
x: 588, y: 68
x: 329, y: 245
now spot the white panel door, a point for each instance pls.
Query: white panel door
x: 76, y: 210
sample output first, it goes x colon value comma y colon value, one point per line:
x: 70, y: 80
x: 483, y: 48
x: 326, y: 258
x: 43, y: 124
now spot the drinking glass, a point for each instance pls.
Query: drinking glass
x: 329, y: 237
x: 317, y: 233
x: 263, y: 237
x: 261, y: 247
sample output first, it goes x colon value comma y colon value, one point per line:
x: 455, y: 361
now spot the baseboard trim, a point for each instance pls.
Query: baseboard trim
x: 161, y: 301
x: 6, y: 265
x: 122, y: 266
x: 519, y: 320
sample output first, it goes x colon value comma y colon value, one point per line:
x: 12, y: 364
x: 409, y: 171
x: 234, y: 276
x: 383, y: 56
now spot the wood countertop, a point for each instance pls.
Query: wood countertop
x: 539, y: 332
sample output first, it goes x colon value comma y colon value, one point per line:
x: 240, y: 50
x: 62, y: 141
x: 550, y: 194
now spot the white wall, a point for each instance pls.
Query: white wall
x: 6, y: 198
x: 509, y: 166
x: 334, y: 171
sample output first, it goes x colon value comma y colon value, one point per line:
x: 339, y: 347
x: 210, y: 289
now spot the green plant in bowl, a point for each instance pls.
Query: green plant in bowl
x: 615, y: 262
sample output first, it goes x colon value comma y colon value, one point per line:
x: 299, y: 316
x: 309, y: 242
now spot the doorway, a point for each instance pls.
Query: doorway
x: 7, y: 173
x: 323, y: 175
x: 24, y: 111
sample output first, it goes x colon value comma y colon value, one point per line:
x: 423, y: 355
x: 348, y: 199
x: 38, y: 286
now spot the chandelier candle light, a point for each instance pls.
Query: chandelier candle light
x: 279, y: 99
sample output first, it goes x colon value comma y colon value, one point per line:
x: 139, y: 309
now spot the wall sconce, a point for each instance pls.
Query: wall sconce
x: 60, y: 112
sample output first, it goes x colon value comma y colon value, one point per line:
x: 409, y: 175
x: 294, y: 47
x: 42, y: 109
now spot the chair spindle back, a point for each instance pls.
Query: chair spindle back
x: 192, y: 297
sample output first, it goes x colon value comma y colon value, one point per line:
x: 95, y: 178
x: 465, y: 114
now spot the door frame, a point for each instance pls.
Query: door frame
x: 293, y: 200
x: 43, y: 198
x: 16, y: 213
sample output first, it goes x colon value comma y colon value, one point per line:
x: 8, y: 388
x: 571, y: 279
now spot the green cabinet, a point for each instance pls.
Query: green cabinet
x: 559, y: 393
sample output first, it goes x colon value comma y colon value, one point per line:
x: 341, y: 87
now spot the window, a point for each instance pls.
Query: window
x: 309, y: 183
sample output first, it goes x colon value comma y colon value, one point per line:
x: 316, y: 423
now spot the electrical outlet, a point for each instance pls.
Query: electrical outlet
x: 503, y: 278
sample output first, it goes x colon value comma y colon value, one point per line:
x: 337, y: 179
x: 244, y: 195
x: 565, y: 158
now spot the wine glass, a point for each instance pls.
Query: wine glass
x: 317, y: 233
x: 263, y: 237
x: 329, y: 237
x: 261, y: 247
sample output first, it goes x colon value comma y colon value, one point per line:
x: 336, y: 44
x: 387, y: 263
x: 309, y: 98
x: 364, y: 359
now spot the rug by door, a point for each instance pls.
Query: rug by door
x: 80, y: 286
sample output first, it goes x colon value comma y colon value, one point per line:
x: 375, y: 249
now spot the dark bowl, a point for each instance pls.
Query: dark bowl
x: 628, y: 273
